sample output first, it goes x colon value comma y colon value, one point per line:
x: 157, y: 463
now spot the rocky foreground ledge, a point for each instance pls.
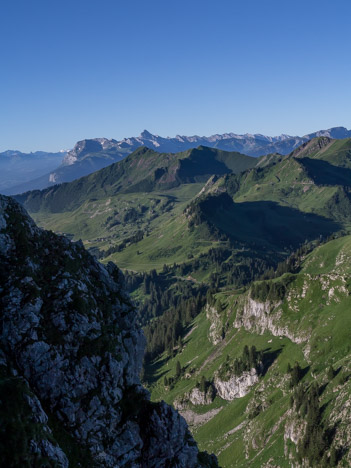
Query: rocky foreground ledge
x: 70, y: 358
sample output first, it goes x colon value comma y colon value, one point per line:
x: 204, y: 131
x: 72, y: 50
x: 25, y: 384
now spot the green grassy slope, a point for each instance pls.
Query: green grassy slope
x: 311, y: 325
x: 143, y: 193
x: 337, y: 152
x: 144, y: 170
x: 106, y: 222
x: 268, y: 209
x: 264, y: 212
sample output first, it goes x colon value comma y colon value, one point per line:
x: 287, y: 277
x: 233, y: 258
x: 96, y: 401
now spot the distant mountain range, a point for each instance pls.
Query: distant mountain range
x: 93, y: 154
x: 18, y: 168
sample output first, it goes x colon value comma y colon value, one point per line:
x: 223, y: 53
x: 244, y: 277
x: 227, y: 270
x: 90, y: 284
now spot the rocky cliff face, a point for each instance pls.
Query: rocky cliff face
x: 261, y: 316
x: 236, y: 386
x: 196, y: 397
x: 85, y: 147
x: 70, y: 357
x: 215, y: 333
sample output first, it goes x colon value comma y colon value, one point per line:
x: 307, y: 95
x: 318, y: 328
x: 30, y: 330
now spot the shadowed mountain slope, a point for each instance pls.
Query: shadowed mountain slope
x: 143, y: 171
x: 152, y: 209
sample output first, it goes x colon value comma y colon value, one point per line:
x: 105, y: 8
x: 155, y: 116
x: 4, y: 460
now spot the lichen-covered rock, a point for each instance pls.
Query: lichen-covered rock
x: 70, y: 331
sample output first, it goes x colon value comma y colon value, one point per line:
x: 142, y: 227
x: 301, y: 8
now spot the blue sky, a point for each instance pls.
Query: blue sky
x: 111, y: 68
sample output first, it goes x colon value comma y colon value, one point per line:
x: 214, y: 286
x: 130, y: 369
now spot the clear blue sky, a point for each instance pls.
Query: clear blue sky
x: 111, y: 68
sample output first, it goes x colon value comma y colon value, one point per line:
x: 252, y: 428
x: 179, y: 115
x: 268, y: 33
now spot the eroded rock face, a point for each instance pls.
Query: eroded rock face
x: 261, y: 316
x: 294, y: 430
x: 195, y: 397
x: 69, y: 331
x: 236, y: 386
x: 215, y: 333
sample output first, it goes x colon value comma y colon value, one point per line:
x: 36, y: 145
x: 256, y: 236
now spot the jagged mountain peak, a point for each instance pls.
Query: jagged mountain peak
x: 312, y: 146
x: 147, y: 134
x: 334, y: 132
x: 82, y: 148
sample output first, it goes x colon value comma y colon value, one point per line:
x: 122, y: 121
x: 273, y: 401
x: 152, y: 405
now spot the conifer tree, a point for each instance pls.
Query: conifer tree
x: 331, y: 373
x: 178, y: 370
x: 296, y: 375
x: 203, y: 384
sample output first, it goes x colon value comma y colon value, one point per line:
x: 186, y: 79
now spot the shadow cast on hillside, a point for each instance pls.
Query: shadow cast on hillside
x: 269, y: 356
x: 324, y: 173
x: 304, y: 371
x: 152, y: 368
x: 265, y: 222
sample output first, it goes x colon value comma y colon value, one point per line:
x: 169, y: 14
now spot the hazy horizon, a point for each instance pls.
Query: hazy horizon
x: 163, y: 136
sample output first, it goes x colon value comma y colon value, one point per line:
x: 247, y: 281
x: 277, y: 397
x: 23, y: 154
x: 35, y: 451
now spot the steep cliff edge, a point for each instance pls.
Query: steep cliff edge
x: 70, y: 357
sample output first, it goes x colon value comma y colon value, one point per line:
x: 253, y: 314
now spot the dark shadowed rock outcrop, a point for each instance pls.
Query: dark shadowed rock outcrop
x: 70, y: 357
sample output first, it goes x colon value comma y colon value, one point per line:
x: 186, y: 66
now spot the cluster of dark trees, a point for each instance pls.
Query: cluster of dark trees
x: 317, y: 438
x: 270, y: 290
x: 169, y: 304
x: 99, y: 254
x: 314, y: 446
x: 206, y: 386
x: 166, y: 332
x: 171, y: 381
x: 228, y: 268
x: 162, y: 292
x: 250, y: 359
x: 296, y: 374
